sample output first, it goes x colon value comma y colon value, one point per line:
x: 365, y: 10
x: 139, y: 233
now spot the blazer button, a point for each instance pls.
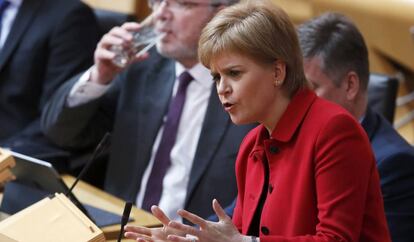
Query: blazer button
x: 274, y: 149
x: 270, y: 188
x: 265, y: 230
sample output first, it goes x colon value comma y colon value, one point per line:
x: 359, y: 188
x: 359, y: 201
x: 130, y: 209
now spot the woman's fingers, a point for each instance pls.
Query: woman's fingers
x: 175, y: 238
x: 218, y: 209
x: 186, y: 229
x: 131, y: 235
x: 138, y: 230
x: 143, y: 238
x: 138, y: 233
x: 192, y: 218
x: 160, y: 215
x: 138, y: 237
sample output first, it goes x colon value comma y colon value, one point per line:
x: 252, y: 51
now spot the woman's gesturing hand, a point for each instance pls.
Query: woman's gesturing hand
x: 207, y: 231
x: 160, y: 234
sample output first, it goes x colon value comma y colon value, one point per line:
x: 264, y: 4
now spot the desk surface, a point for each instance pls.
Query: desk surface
x: 100, y: 199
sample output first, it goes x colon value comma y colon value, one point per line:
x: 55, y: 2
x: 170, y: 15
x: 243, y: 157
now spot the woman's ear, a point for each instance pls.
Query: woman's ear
x: 279, y: 72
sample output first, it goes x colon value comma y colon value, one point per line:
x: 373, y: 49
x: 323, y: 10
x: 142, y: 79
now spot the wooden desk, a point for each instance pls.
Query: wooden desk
x: 100, y: 199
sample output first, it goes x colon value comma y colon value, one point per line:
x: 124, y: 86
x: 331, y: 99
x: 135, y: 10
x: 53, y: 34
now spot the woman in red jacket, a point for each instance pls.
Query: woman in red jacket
x: 307, y: 172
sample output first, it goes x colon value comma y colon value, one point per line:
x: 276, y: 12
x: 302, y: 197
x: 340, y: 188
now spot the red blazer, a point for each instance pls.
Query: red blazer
x: 323, y: 182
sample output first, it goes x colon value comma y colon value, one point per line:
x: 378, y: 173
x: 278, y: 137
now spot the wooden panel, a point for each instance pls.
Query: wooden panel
x: 298, y: 10
x: 142, y: 10
x: 123, y: 6
x: 385, y: 25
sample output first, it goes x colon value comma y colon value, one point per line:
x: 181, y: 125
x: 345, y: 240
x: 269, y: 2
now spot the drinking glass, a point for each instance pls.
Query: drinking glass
x: 145, y: 38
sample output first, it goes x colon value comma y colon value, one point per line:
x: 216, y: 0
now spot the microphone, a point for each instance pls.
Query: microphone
x: 125, y: 218
x: 103, y: 144
x: 98, y: 150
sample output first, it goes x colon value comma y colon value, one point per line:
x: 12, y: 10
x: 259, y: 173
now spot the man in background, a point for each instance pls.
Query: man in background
x: 336, y: 64
x: 172, y: 143
x: 42, y: 44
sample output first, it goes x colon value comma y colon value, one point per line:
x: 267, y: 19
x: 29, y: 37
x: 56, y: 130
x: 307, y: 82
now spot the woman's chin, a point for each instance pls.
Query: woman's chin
x: 240, y: 121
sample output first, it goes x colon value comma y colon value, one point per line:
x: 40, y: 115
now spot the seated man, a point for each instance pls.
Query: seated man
x: 42, y: 44
x: 336, y: 64
x: 172, y: 143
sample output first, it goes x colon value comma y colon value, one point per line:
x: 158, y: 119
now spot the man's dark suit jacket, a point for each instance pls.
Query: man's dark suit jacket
x: 49, y: 42
x: 395, y: 162
x: 133, y: 109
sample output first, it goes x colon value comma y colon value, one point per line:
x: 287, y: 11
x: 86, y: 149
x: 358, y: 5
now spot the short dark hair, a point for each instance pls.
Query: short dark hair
x: 337, y: 41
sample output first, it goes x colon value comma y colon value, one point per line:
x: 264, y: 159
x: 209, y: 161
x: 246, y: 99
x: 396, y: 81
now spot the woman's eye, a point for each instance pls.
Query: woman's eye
x: 215, y: 77
x: 234, y: 73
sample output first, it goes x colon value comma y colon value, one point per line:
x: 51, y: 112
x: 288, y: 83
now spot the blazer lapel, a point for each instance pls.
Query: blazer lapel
x: 153, y: 106
x: 152, y: 103
x: 23, y: 18
x: 215, y: 124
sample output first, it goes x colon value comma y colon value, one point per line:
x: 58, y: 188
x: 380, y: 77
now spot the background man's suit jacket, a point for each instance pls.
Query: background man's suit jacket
x: 395, y: 162
x: 49, y: 42
x: 133, y: 109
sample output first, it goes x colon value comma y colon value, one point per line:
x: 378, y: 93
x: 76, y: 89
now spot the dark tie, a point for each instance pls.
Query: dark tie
x: 3, y: 5
x: 162, y: 157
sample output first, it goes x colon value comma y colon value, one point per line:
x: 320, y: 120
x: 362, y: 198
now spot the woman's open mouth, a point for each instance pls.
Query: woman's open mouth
x: 228, y: 106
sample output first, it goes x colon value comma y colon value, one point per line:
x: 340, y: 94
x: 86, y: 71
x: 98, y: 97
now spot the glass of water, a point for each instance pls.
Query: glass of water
x: 145, y: 38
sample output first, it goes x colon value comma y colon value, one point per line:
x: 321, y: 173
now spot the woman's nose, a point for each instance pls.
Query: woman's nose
x: 222, y: 88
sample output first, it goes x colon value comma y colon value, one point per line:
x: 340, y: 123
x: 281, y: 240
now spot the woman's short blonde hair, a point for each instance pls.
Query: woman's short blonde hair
x: 259, y: 30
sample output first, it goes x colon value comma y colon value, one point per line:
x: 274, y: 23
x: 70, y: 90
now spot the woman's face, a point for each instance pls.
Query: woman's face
x: 246, y: 87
